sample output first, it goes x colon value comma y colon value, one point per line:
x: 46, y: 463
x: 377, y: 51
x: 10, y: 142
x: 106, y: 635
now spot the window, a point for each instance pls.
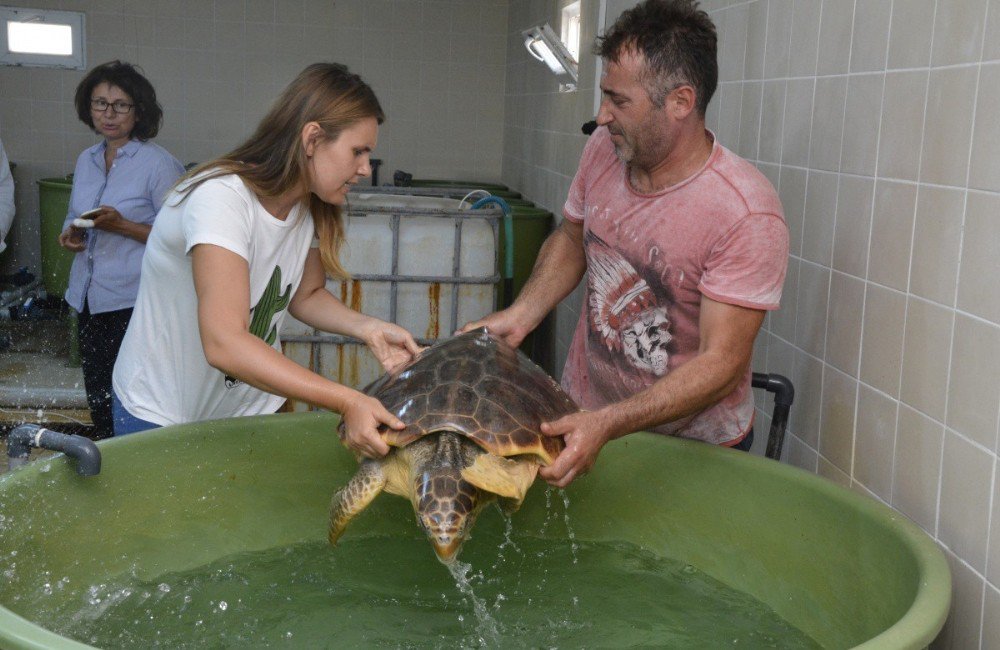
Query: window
x: 38, y: 37
x: 571, y: 28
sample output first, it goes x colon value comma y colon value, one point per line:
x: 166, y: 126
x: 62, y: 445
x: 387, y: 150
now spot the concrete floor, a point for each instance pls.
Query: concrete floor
x: 38, y: 384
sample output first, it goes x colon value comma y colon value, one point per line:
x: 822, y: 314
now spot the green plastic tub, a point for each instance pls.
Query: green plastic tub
x: 53, y: 204
x: 845, y: 570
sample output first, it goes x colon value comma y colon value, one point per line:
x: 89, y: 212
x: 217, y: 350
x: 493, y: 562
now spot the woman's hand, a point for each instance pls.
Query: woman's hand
x: 391, y: 344
x: 109, y: 219
x: 72, y: 239
x: 362, y: 418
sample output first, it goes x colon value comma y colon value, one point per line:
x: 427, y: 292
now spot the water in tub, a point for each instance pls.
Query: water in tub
x: 390, y: 591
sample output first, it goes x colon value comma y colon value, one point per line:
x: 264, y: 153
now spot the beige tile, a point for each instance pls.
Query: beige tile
x: 831, y: 472
x: 980, y: 265
x: 798, y: 454
x: 962, y: 629
x: 966, y: 480
x: 836, y: 440
x: 803, y: 418
x: 780, y: 360
x: 854, y: 215
x: 804, y: 43
x: 811, y: 308
x: 882, y: 339
x: 947, y: 138
x: 902, y: 124
x: 827, y: 123
x: 991, y: 619
x: 843, y: 325
x: 926, y: 356
x: 732, y: 26
x: 792, y: 192
x: 974, y: 382
x: 984, y: 170
x: 917, y: 469
x: 993, y: 553
x: 779, y: 25
x: 728, y: 102
x: 835, y: 36
x: 910, y: 33
x: 772, y: 114
x: 756, y: 41
x: 875, y: 441
x: 798, y: 122
x: 958, y: 32
x: 991, y: 47
x: 871, y: 25
x: 937, y: 238
x: 892, y: 228
x: 750, y: 120
x: 820, y: 217
x: 861, y: 124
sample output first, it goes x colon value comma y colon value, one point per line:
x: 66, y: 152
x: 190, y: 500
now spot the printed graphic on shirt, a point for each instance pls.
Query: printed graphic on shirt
x: 271, y: 302
x: 627, y: 313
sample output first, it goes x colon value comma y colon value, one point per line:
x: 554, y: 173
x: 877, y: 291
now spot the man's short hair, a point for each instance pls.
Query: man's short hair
x: 678, y: 42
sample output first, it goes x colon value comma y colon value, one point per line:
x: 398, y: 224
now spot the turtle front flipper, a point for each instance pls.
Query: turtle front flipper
x: 501, y: 476
x: 355, y: 496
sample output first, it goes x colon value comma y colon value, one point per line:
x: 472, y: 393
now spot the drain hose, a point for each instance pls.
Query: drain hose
x: 25, y: 436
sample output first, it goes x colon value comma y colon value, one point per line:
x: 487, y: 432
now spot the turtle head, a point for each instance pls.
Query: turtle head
x: 446, y: 508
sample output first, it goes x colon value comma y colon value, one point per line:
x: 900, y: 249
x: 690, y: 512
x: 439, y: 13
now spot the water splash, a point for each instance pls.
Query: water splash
x: 573, y: 546
x: 487, y: 627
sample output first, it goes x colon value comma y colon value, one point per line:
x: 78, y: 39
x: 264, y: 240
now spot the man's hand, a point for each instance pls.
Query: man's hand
x: 585, y: 435
x: 501, y: 324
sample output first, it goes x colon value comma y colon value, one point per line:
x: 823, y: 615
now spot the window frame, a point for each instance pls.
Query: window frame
x: 74, y: 19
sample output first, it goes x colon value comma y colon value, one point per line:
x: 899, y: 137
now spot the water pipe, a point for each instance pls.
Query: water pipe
x: 784, y: 395
x: 25, y: 436
x: 508, y: 231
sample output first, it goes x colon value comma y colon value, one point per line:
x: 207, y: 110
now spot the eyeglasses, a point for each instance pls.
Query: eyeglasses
x: 120, y: 107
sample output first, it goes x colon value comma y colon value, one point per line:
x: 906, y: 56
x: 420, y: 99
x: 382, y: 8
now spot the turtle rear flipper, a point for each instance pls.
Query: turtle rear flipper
x: 502, y: 476
x: 355, y: 496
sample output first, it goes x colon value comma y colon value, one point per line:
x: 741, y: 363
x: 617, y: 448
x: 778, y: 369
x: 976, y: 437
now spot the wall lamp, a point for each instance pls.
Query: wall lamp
x: 543, y: 44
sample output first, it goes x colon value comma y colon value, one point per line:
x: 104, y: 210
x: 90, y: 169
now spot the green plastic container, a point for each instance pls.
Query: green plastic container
x: 53, y: 204
x: 531, y: 226
x: 842, y: 568
x: 431, y: 182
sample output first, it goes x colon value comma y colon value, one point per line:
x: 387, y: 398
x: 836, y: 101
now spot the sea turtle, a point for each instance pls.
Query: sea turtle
x: 472, y: 406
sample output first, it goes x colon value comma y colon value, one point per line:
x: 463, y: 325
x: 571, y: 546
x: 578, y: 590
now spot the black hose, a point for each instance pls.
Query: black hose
x: 83, y: 450
x: 784, y: 395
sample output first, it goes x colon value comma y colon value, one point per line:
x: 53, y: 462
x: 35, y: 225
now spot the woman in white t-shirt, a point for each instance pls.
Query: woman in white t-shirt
x: 232, y: 251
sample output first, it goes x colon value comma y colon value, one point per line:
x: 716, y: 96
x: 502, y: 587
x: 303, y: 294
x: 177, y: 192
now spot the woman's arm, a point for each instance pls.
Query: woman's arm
x: 222, y: 284
x: 315, y: 306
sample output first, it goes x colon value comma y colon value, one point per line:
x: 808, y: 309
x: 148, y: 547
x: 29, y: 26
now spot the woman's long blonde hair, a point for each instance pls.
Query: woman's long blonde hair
x: 273, y: 161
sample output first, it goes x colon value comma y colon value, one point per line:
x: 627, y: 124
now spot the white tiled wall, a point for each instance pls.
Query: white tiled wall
x: 437, y: 66
x: 876, y: 121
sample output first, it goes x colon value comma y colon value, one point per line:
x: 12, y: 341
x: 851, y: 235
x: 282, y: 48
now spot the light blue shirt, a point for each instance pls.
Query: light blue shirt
x: 106, y: 274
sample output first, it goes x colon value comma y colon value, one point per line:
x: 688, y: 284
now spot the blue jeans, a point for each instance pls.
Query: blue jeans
x: 126, y: 423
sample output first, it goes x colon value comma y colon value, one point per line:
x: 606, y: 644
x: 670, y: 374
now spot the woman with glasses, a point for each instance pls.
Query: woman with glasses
x: 246, y: 240
x: 118, y: 187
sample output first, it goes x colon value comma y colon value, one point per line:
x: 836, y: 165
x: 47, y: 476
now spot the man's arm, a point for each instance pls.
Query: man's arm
x: 560, y: 264
x: 727, y: 334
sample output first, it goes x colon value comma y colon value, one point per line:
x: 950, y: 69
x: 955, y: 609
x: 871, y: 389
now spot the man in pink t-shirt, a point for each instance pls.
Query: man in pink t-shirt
x: 683, y: 243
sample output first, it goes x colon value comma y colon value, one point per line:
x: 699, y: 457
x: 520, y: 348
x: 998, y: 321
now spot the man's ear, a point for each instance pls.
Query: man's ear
x: 311, y: 134
x: 681, y: 101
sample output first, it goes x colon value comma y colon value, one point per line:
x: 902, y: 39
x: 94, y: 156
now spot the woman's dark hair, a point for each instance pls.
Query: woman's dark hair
x: 148, y: 112
x: 678, y: 41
